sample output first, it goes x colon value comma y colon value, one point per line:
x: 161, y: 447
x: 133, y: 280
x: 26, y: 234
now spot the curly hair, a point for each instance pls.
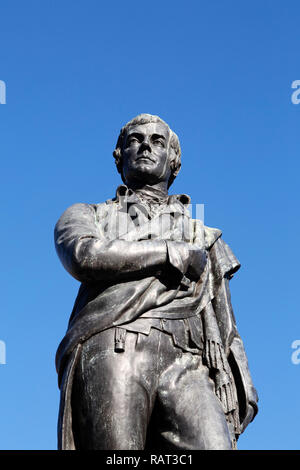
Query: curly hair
x: 174, y: 144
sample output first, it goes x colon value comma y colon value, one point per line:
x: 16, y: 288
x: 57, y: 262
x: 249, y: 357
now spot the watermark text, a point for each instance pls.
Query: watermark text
x: 2, y: 352
x: 2, y: 92
x: 295, y: 358
x: 296, y: 94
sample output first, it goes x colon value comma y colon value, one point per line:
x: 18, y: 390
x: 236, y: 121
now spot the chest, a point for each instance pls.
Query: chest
x: 134, y: 222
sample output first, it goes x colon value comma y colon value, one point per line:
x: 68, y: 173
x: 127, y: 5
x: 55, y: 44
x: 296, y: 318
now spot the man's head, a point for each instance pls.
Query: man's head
x: 147, y: 150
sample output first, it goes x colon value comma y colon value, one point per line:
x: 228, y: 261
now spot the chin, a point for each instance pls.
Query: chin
x: 145, y: 171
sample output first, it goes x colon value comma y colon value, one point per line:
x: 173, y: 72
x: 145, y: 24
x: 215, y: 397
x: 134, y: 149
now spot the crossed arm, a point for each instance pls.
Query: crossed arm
x: 88, y: 256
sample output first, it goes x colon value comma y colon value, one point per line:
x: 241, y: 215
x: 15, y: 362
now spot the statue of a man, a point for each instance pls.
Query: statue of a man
x: 152, y: 358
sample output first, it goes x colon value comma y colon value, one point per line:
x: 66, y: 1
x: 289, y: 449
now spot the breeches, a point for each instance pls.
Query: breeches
x: 151, y: 396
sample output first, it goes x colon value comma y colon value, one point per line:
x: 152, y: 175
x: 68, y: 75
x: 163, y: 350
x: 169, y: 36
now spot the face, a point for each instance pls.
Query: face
x: 146, y: 154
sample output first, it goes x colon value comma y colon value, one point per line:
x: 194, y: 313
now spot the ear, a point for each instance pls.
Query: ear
x: 174, y: 165
x: 118, y: 159
x: 172, y: 158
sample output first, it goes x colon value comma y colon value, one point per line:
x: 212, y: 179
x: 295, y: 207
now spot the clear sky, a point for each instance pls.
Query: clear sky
x: 220, y: 74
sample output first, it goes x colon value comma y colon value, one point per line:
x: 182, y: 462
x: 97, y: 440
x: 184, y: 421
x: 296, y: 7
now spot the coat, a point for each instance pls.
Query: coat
x: 114, y: 292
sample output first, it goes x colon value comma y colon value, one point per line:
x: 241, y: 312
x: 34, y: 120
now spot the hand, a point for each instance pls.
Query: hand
x: 178, y: 256
x: 187, y: 259
x: 198, y: 259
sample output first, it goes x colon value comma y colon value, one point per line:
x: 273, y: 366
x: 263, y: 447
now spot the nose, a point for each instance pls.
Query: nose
x: 145, y: 145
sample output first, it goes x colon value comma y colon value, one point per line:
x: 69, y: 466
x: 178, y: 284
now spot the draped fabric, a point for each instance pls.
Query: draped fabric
x: 105, y: 303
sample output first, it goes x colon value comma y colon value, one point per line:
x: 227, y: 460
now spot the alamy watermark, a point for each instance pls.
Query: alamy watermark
x: 295, y: 98
x: 2, y: 352
x: 170, y: 224
x: 2, y: 92
x: 295, y: 358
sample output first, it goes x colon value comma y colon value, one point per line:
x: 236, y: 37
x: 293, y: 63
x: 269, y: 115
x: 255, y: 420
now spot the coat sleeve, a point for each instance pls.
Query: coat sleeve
x: 224, y: 265
x: 88, y: 256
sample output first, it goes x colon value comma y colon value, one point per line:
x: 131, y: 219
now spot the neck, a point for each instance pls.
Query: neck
x: 159, y: 189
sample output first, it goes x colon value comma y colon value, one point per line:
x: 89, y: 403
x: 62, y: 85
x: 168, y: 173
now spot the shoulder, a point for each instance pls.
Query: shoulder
x: 79, y: 219
x: 211, y: 235
x: 224, y: 262
x: 84, y: 213
x: 77, y: 211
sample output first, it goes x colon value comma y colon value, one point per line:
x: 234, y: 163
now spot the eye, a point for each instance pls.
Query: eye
x: 158, y: 143
x: 132, y: 140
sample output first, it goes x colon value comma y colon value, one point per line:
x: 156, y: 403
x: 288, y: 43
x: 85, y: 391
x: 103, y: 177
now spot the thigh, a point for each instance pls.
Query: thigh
x: 111, y: 398
x: 191, y: 414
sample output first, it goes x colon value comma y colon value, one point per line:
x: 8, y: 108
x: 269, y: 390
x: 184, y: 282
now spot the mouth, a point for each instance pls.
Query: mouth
x: 146, y: 158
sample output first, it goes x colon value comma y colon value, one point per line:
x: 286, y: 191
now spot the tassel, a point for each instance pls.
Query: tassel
x: 120, y: 335
x: 215, y: 358
x: 224, y: 386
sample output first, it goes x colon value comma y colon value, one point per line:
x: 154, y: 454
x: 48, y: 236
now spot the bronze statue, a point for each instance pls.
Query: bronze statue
x: 152, y: 358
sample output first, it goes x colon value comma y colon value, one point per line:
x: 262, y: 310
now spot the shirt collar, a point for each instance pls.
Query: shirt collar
x: 124, y: 191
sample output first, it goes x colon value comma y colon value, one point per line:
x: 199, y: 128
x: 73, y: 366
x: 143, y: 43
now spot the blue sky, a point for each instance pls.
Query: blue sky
x: 220, y: 74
